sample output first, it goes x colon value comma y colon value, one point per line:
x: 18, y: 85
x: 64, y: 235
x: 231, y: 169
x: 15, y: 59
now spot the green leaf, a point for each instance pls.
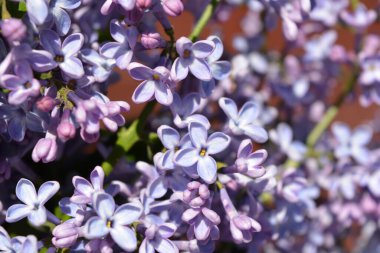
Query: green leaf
x: 22, y: 6
x: 127, y: 138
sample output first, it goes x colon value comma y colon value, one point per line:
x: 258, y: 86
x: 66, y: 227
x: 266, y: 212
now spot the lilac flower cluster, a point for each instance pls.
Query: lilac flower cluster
x: 243, y: 153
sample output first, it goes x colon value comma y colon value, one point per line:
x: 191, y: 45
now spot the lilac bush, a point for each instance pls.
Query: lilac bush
x: 242, y: 145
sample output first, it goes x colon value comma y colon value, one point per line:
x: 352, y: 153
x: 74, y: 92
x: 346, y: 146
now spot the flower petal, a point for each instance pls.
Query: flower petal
x: 201, y: 229
x: 257, y: 133
x: 104, y: 205
x: 143, y: 92
x: 198, y: 134
x: 139, y: 71
x: 169, y: 137
x: 165, y: 246
x: 217, y: 142
x: 218, y: 50
x: 26, y: 192
x: 62, y: 21
x: 46, y: 191
x: 179, y: 70
x: 51, y: 41
x: 72, y: 67
x: 221, y: 70
x: 201, y: 70
x: 37, y: 10
x: 95, y: 227
x: 37, y: 217
x: 157, y: 188
x: 248, y: 113
x: 203, y: 48
x: 186, y: 157
x: 206, y: 169
x: 124, y: 237
x: 97, y: 178
x: 72, y: 44
x: 128, y: 213
x: 229, y: 108
x: 17, y: 212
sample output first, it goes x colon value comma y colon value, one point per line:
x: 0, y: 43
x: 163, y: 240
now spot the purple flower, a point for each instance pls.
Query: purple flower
x: 203, y: 221
x: 243, y: 121
x: 33, y: 206
x: 109, y: 5
x: 101, y: 66
x: 370, y: 73
x: 241, y: 226
x: 84, y: 190
x: 39, y: 60
x: 113, y: 222
x: 13, y: 30
x: 192, y: 56
x: 64, y: 53
x: 352, y: 143
x: 248, y: 162
x: 283, y: 137
x: 202, y: 147
x: 19, y: 119
x: 42, y: 11
x: 156, y: 236
x: 22, y: 84
x: 20, y: 244
x: 183, y: 110
x: 171, y: 140
x: 122, y: 49
x: 157, y: 82
x: 361, y: 18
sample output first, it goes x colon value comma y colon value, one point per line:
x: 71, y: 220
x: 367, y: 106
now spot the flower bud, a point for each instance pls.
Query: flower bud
x: 65, y: 234
x: 65, y: 129
x: 13, y: 30
x: 45, y: 150
x: 46, y: 103
x: 173, y: 7
x: 150, y: 40
x: 144, y: 4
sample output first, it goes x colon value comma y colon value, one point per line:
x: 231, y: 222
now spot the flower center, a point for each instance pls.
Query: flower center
x: 156, y: 77
x: 35, y: 206
x: 59, y: 58
x: 203, y: 152
x: 186, y: 53
x: 27, y: 85
x: 109, y: 224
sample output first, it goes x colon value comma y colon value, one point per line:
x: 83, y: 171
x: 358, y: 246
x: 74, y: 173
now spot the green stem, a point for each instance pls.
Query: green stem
x: 330, y: 114
x: 326, y: 121
x: 202, y: 22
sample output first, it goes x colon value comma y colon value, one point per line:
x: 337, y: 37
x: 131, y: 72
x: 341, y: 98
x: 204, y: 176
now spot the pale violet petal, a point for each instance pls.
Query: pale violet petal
x: 207, y: 168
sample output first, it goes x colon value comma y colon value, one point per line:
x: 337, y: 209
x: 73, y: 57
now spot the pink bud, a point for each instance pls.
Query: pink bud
x: 144, y: 4
x: 46, y: 103
x: 13, y: 29
x: 45, y: 150
x: 150, y: 40
x: 173, y: 7
x: 65, y: 129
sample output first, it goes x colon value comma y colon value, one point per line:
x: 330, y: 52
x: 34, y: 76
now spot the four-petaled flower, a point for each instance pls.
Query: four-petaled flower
x: 157, y: 82
x: 113, y: 222
x: 33, y: 206
x: 64, y: 53
x: 199, y: 153
x: 243, y: 121
x: 192, y: 56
